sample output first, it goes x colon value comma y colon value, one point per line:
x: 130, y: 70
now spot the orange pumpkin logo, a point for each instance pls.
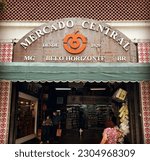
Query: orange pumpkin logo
x: 75, y: 43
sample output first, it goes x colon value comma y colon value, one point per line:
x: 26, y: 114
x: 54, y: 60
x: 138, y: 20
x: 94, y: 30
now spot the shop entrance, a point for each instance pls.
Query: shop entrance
x: 83, y: 110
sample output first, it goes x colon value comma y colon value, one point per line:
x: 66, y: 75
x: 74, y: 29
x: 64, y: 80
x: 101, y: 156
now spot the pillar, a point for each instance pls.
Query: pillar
x: 5, y: 94
x: 144, y: 57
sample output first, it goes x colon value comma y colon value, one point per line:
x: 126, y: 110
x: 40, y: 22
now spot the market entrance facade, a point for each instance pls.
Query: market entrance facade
x: 80, y: 68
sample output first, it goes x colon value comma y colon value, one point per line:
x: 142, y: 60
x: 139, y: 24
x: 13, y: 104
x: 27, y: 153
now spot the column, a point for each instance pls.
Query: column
x: 144, y: 57
x: 5, y: 94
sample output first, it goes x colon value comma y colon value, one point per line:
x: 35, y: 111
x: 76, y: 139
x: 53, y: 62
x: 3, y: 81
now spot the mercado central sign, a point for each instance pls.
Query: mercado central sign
x: 75, y: 40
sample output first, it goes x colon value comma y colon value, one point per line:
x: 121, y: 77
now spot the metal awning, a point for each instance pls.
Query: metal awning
x: 23, y: 71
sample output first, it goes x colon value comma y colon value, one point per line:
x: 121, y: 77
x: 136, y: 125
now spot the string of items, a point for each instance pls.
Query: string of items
x: 124, y: 119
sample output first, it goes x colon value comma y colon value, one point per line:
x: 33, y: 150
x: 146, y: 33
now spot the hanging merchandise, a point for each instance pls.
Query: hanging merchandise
x: 120, y: 95
x: 124, y: 118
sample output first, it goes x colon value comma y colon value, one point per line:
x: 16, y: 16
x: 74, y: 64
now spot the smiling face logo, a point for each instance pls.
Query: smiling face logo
x: 75, y: 43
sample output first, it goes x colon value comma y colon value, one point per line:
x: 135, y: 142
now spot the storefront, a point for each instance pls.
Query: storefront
x: 93, y: 99
x: 74, y: 66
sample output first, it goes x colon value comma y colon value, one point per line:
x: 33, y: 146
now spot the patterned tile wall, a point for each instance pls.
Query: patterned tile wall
x: 144, y: 52
x: 5, y: 90
x: 144, y: 57
x: 6, y: 52
x: 45, y: 10
x: 145, y: 93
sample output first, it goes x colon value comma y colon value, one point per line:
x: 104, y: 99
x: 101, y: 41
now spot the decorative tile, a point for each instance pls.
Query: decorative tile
x: 144, y: 52
x: 6, y: 50
x: 144, y: 57
x: 5, y: 88
x: 145, y: 98
x: 45, y: 10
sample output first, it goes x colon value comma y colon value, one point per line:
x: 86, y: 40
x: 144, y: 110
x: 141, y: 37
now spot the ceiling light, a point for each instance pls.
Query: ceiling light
x: 63, y: 89
x: 98, y: 89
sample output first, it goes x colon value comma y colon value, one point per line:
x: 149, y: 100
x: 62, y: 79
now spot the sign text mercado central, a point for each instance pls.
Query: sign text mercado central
x: 79, y: 40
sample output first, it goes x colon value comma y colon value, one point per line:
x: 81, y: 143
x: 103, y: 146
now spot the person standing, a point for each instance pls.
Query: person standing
x: 49, y: 125
x: 112, y: 134
x: 46, y: 135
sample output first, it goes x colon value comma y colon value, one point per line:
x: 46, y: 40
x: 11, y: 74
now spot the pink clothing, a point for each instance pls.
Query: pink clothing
x: 113, y: 135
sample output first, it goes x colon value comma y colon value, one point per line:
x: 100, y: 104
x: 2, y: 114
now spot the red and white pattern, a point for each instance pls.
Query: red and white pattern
x: 45, y: 10
x: 144, y: 57
x: 4, y: 110
x: 6, y: 50
x: 144, y: 52
x: 145, y: 94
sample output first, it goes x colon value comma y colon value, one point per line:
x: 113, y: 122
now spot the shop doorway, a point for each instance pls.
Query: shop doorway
x: 83, y: 109
x: 26, y: 124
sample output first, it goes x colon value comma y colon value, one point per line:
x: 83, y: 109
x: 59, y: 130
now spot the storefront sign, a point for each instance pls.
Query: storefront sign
x: 75, y: 40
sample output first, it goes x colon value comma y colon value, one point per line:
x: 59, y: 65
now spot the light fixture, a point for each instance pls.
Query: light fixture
x: 63, y: 89
x: 21, y: 102
x: 98, y: 89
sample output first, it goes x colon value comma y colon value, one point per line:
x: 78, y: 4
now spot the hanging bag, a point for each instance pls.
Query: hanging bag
x: 120, y: 95
x: 59, y: 131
